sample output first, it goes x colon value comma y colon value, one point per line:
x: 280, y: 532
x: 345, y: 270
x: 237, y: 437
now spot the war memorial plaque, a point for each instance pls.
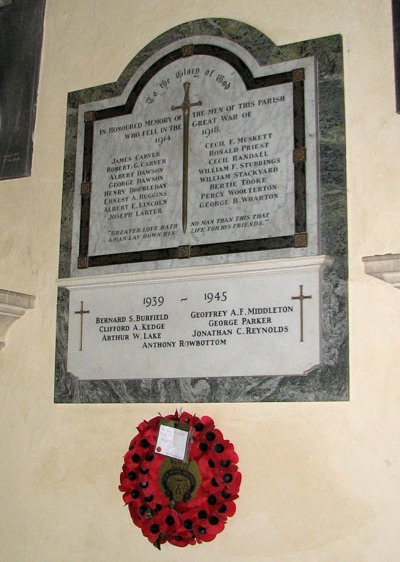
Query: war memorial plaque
x: 199, y: 261
x: 206, y: 157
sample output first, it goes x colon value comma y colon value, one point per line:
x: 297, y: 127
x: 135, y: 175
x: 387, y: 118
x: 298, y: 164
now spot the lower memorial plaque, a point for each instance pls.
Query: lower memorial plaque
x: 258, y: 323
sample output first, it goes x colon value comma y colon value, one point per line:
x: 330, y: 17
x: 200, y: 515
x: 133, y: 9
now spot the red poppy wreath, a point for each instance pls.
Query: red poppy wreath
x: 181, y: 502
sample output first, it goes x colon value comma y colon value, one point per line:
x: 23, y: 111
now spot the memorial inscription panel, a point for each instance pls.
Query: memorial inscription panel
x: 223, y: 325
x: 207, y: 156
x: 236, y: 159
x: 201, y: 257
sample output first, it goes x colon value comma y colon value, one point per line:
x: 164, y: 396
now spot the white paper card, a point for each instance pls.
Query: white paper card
x: 172, y: 441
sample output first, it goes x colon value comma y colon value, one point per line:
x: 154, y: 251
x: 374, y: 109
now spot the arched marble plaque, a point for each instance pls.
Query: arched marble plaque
x: 203, y: 253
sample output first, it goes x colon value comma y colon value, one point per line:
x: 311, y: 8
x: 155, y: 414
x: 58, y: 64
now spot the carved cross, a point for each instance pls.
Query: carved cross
x: 81, y: 312
x: 301, y: 298
x: 185, y: 107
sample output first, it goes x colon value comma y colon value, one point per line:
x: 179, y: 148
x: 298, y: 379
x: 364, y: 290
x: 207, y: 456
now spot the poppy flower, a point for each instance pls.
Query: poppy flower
x: 152, y: 527
x: 207, y: 529
x: 190, y: 419
x: 228, y: 508
x: 174, y: 529
x: 233, y: 484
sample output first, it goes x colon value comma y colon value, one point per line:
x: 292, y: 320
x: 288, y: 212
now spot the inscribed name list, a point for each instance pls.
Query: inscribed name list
x: 195, y: 127
x: 260, y: 324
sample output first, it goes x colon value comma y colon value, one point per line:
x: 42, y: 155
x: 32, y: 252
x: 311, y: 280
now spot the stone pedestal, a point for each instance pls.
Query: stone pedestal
x: 12, y: 306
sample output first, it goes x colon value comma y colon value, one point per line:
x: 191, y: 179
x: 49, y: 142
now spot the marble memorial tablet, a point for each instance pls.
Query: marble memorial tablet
x: 206, y: 172
x: 209, y: 181
x: 206, y: 153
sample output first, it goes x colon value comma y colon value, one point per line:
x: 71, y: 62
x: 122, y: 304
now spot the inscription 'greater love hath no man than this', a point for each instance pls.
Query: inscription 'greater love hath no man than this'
x: 210, y: 162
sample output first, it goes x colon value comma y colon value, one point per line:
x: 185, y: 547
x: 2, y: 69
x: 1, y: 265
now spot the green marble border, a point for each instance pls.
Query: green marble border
x: 330, y: 381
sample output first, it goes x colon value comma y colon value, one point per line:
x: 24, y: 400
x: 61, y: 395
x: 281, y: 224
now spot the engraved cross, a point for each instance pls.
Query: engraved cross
x: 81, y: 312
x: 185, y: 107
x: 301, y: 298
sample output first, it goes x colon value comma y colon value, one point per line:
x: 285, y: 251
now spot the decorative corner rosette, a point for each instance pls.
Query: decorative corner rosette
x: 181, y: 502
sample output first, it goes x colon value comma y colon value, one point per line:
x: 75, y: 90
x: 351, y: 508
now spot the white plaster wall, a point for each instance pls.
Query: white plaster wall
x: 321, y: 481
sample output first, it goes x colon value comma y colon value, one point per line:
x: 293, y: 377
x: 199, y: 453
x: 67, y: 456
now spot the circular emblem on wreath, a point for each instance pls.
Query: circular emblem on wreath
x: 179, y: 480
x: 181, y: 502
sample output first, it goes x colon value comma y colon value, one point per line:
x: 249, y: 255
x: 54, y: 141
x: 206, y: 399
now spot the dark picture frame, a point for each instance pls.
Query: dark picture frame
x: 396, y: 47
x: 21, y: 33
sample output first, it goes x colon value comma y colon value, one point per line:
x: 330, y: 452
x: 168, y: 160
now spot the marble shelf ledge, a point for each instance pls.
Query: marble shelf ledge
x: 385, y: 267
x: 12, y: 306
x: 202, y: 272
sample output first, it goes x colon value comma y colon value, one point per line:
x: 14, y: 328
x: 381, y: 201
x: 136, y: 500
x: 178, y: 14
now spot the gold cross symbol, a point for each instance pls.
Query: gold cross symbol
x: 81, y: 312
x: 301, y: 298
